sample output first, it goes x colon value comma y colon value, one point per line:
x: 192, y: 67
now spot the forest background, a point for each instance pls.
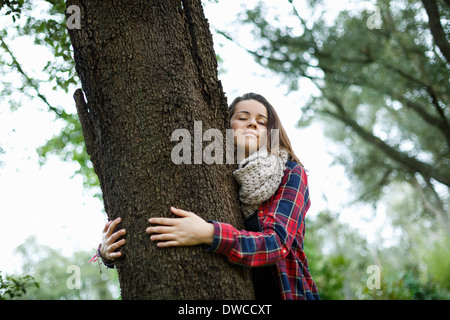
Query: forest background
x: 361, y: 87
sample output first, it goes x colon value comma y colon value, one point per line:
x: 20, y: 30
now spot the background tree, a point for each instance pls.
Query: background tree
x: 12, y: 287
x: 338, y: 257
x: 52, y: 271
x: 45, y: 23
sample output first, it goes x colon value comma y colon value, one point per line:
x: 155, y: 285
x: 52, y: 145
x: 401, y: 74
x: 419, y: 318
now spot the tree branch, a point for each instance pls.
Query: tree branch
x: 442, y: 123
x: 29, y: 81
x: 428, y: 87
x: 436, y: 29
x: 436, y: 208
x: 412, y: 164
x: 376, y: 186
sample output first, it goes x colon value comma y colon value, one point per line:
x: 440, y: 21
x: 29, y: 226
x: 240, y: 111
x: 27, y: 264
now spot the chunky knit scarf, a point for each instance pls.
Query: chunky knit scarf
x: 259, y: 176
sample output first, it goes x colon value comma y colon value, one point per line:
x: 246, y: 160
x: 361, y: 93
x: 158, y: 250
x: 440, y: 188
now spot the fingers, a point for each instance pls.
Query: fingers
x: 164, y: 221
x: 180, y: 212
x: 110, y: 240
x: 115, y: 246
x: 159, y: 229
x: 106, y: 226
x: 117, y: 235
x: 170, y: 231
x: 171, y: 221
x: 109, y: 235
x: 112, y: 226
x: 163, y: 237
x: 110, y: 250
x: 165, y: 244
x: 114, y: 255
x: 166, y: 235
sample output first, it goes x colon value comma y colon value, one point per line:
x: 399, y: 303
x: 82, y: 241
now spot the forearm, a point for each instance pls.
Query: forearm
x: 247, y: 247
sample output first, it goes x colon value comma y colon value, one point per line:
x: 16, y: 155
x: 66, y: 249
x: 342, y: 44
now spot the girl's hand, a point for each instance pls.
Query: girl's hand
x: 188, y: 230
x: 109, y: 240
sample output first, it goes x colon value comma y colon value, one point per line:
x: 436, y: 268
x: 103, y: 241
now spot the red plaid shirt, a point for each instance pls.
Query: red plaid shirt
x: 280, y: 242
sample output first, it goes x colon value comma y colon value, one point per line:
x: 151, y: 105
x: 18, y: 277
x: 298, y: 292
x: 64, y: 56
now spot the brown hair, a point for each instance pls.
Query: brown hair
x: 272, y: 123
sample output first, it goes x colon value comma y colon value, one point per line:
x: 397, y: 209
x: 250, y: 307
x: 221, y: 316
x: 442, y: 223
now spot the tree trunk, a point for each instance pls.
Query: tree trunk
x: 148, y: 68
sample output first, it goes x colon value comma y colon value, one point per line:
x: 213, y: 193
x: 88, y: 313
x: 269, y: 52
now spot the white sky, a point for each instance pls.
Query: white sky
x: 49, y: 203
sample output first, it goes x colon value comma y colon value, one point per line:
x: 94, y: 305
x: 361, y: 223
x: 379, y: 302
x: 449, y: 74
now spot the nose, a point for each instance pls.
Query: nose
x: 252, y: 124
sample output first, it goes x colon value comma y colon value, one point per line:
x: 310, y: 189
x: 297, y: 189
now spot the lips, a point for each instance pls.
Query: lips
x: 251, y: 133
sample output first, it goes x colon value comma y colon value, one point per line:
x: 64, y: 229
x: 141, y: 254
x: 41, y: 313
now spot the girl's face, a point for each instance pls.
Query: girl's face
x: 249, y: 122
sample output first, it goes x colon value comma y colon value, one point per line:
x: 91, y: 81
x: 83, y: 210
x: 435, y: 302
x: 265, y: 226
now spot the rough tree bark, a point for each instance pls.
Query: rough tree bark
x: 148, y: 68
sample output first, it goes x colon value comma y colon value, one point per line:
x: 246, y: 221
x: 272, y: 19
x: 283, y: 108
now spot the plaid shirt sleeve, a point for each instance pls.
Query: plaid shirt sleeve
x: 281, y: 218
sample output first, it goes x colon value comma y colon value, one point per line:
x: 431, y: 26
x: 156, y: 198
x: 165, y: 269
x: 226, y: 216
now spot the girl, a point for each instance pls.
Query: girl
x: 274, y: 199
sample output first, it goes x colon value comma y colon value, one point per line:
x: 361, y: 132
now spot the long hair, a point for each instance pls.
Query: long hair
x: 273, y: 122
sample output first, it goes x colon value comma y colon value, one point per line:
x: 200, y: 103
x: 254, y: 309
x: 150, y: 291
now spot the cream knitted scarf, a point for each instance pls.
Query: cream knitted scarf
x: 259, y: 176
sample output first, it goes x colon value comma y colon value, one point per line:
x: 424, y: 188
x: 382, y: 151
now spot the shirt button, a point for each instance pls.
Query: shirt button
x: 284, y: 250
